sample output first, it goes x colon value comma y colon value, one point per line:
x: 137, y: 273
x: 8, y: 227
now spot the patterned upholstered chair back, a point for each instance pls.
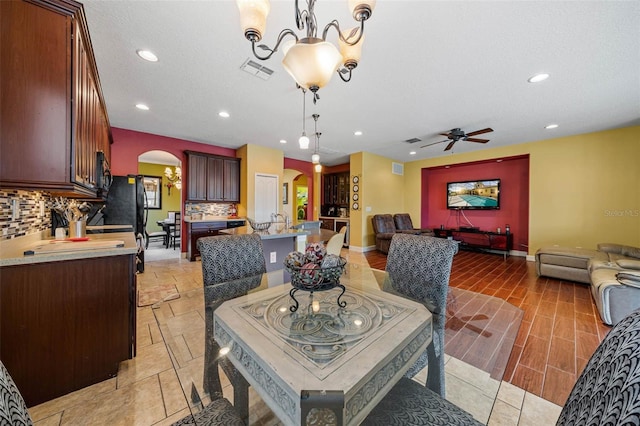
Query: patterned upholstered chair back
x: 229, y: 257
x: 608, y: 390
x: 13, y: 410
x: 231, y: 266
x: 419, y: 267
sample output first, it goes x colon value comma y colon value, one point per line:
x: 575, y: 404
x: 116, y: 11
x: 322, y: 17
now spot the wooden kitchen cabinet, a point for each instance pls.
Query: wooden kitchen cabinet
x: 66, y: 325
x: 336, y: 189
x: 212, y: 178
x: 54, y: 119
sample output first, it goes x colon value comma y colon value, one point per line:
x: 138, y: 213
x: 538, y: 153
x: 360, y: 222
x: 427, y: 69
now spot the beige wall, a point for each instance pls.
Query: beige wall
x: 584, y: 189
x: 257, y: 159
x: 380, y: 192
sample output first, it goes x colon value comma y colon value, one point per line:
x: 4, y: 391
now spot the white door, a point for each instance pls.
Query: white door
x: 266, y: 197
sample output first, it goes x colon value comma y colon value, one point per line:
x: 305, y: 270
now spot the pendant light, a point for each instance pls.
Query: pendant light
x: 315, y: 158
x: 304, y: 140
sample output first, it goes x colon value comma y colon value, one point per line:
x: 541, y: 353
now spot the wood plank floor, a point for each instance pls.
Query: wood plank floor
x: 560, y: 328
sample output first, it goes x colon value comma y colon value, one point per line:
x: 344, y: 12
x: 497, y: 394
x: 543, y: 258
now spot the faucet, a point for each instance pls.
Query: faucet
x: 283, y: 216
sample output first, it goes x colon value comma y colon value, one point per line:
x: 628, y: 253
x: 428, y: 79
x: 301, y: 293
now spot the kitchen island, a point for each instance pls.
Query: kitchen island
x: 278, y: 240
x: 67, y: 312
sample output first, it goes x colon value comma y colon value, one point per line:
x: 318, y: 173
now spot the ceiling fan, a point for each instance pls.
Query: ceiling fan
x: 457, y: 134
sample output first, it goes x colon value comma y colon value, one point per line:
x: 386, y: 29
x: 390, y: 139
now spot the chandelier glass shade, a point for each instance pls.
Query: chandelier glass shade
x: 311, y: 60
x: 174, y: 177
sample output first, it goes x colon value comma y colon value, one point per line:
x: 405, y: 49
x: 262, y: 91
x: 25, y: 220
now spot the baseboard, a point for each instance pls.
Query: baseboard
x: 362, y: 249
x: 531, y: 257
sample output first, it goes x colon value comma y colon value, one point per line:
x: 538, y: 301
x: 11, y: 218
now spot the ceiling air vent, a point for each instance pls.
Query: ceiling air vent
x: 256, y: 69
x: 413, y: 140
x: 397, y: 169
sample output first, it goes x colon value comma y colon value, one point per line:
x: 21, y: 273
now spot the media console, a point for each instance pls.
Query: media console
x: 476, y: 239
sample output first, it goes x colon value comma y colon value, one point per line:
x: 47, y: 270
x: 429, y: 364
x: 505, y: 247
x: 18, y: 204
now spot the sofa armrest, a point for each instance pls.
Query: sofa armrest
x: 385, y: 235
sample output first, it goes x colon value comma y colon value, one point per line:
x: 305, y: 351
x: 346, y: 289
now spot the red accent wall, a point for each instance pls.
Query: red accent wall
x: 129, y: 144
x: 513, y: 173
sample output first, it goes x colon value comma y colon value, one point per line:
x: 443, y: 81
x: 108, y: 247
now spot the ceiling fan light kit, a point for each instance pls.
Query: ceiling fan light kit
x: 310, y: 60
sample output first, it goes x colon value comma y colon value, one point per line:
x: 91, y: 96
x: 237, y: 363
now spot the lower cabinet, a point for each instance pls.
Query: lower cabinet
x: 66, y: 325
x: 335, y: 224
x: 198, y: 230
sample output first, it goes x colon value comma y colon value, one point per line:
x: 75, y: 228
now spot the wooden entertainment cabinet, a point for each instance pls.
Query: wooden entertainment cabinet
x: 476, y: 239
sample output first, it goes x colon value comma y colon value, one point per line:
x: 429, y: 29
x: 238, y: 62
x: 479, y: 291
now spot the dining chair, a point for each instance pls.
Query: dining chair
x: 419, y: 267
x: 174, y: 235
x: 334, y: 245
x: 13, y: 410
x: 607, y: 391
x: 156, y: 235
x: 231, y: 266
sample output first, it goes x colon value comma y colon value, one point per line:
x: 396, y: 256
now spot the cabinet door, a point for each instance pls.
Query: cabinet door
x: 342, y: 191
x: 34, y: 96
x: 197, y: 178
x: 215, y: 179
x: 232, y: 180
x: 327, y: 224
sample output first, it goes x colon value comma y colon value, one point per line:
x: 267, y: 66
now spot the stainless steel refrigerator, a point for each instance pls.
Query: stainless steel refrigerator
x: 125, y: 205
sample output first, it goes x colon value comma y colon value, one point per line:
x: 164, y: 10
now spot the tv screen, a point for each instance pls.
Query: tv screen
x: 474, y: 194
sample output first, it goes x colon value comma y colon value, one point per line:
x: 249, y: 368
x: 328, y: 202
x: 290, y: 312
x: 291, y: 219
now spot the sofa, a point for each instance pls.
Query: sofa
x: 612, y: 271
x: 385, y: 226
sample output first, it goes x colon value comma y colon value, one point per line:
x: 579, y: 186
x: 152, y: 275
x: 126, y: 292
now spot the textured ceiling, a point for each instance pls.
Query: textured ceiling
x: 427, y: 67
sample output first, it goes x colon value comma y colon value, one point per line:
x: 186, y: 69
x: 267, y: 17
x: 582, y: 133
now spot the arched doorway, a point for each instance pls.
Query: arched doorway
x: 163, y: 200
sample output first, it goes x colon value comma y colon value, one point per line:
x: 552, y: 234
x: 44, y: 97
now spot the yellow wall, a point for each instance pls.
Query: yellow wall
x: 169, y: 202
x: 257, y: 159
x: 380, y: 192
x: 584, y: 189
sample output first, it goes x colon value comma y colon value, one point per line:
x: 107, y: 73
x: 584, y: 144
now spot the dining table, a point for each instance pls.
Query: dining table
x: 337, y: 355
x: 166, y: 225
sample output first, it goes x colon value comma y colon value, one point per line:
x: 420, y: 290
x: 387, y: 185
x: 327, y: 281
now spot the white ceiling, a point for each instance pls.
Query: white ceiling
x: 427, y: 67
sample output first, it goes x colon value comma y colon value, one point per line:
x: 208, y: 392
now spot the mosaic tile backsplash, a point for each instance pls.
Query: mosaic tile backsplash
x: 33, y: 212
x: 215, y: 209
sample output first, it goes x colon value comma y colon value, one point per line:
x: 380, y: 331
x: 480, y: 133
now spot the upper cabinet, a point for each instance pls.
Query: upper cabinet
x: 212, y: 178
x: 54, y: 119
x: 336, y: 188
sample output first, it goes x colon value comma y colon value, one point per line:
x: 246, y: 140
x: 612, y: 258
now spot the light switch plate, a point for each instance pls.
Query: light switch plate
x: 272, y: 257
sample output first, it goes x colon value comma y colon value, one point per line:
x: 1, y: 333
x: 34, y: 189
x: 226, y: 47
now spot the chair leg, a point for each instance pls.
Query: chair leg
x: 435, y: 373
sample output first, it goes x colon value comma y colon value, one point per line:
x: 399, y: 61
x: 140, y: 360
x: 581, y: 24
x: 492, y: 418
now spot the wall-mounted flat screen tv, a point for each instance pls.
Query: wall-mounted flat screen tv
x: 474, y: 194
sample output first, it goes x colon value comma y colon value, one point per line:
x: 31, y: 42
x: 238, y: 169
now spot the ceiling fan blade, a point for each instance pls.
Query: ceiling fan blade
x: 446, y: 134
x: 450, y: 145
x: 433, y: 143
x: 477, y: 140
x: 479, y: 132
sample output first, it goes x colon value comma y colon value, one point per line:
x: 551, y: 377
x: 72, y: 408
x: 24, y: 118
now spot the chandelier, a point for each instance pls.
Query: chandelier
x: 311, y: 60
x: 174, y: 177
x: 315, y: 157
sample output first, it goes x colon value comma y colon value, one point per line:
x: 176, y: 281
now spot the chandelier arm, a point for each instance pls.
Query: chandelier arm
x: 281, y: 37
x: 343, y: 71
x: 335, y: 24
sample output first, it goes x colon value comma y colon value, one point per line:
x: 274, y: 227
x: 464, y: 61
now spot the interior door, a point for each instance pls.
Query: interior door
x: 266, y: 201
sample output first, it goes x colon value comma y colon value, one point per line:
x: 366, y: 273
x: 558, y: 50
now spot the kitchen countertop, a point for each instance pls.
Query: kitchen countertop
x: 210, y: 218
x: 12, y: 251
x: 278, y: 230
x: 334, y: 217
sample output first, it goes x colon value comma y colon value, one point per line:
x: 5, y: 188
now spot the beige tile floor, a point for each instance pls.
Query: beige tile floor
x: 147, y: 390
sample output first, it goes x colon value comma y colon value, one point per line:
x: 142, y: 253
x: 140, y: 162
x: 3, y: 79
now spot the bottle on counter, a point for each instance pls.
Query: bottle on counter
x: 507, y: 229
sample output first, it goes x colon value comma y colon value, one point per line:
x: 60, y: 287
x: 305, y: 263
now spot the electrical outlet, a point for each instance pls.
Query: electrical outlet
x: 272, y: 257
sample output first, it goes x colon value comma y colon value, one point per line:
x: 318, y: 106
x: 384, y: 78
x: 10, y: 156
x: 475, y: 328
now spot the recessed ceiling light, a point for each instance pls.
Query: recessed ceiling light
x: 357, y: 133
x: 223, y: 114
x: 551, y: 126
x: 412, y: 153
x: 147, y: 55
x: 283, y: 141
x: 538, y: 78
x: 142, y: 107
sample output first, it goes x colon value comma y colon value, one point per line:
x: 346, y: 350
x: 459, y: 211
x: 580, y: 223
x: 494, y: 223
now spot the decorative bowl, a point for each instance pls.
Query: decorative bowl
x: 316, y: 277
x: 259, y: 226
